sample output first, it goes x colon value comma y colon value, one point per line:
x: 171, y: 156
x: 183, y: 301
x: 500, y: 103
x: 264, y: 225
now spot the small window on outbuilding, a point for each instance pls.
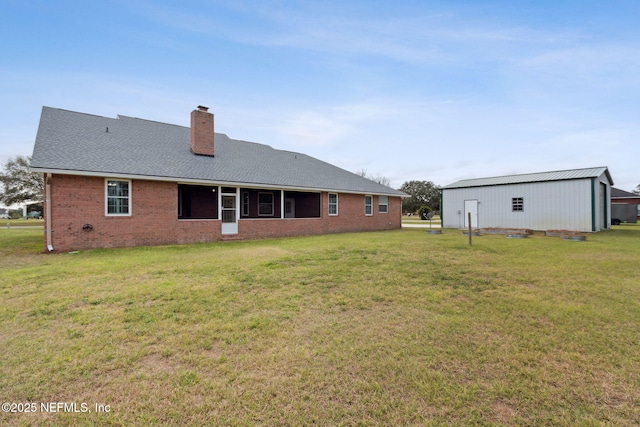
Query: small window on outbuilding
x: 517, y: 204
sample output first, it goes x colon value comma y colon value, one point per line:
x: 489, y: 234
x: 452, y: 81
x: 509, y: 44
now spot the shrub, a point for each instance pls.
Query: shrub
x: 423, y: 212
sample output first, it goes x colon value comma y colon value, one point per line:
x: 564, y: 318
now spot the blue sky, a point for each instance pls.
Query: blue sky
x: 411, y: 90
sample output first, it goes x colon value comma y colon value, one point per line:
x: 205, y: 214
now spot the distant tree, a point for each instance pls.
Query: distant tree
x: 375, y: 178
x: 637, y: 190
x: 423, y: 193
x: 15, y: 213
x: 18, y: 184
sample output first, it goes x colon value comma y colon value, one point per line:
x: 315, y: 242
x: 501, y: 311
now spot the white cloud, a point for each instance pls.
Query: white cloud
x: 441, y: 94
x: 312, y: 128
x: 327, y: 126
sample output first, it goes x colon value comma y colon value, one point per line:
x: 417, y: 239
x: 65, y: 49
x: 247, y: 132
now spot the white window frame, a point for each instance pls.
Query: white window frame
x: 245, y: 203
x: 107, y: 197
x: 333, y: 204
x: 260, y: 204
x: 383, y: 201
x: 368, y: 207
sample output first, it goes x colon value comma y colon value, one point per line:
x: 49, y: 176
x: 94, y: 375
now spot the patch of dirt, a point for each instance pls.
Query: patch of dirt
x: 502, y: 412
x: 497, y: 230
x: 157, y: 363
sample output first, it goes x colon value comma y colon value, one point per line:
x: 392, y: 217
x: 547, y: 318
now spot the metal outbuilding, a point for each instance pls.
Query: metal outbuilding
x: 576, y: 200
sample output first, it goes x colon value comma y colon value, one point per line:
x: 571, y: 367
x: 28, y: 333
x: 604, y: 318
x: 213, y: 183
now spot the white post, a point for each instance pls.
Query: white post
x: 281, y: 204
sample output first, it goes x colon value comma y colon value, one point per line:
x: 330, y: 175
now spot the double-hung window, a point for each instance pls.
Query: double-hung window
x: 368, y: 205
x: 333, y: 204
x: 118, y: 197
x: 383, y: 204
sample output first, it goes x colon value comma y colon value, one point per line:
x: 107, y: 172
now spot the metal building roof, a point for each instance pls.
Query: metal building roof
x: 84, y: 144
x: 562, y: 175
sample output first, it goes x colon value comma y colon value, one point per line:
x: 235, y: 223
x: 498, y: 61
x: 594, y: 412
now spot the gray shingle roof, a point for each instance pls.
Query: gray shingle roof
x: 562, y: 175
x: 618, y: 193
x: 71, y: 142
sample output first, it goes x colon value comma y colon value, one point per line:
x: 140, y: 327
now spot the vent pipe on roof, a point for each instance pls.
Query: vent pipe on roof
x: 202, y: 139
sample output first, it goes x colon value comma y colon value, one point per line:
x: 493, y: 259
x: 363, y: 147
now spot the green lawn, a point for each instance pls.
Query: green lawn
x: 390, y: 328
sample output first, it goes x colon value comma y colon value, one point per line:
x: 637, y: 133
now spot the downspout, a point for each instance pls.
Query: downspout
x: 593, y: 205
x: 47, y: 213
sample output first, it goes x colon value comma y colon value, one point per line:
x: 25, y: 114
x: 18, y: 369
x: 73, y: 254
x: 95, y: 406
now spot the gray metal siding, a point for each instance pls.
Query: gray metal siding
x: 602, y: 203
x: 547, y: 205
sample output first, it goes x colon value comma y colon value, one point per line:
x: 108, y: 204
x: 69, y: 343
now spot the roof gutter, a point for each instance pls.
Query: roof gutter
x: 47, y: 211
x: 392, y: 193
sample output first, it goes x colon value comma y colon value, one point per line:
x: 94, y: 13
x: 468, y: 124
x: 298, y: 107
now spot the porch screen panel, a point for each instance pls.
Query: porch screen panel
x: 197, y: 202
x: 306, y: 204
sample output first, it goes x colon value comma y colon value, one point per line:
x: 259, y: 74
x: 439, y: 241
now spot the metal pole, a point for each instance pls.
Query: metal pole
x: 469, y: 218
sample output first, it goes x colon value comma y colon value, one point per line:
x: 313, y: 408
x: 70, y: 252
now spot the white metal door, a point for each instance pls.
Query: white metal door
x: 471, y: 206
x: 229, y: 205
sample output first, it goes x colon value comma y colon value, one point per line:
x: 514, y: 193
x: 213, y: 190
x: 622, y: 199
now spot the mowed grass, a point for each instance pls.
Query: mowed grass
x: 389, y: 328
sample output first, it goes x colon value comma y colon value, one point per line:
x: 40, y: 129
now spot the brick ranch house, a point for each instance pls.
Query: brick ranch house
x: 128, y: 182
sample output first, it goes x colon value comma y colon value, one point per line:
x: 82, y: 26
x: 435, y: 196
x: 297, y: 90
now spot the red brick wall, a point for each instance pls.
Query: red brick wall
x: 202, y: 136
x: 77, y: 200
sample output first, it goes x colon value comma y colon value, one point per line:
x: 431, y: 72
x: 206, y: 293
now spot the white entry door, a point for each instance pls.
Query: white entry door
x: 229, y: 205
x: 471, y: 206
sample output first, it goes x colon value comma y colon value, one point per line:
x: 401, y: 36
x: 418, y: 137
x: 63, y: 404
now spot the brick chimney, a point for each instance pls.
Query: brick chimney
x: 202, y: 131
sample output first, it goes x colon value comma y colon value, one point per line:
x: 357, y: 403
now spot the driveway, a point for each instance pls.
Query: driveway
x: 420, y: 224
